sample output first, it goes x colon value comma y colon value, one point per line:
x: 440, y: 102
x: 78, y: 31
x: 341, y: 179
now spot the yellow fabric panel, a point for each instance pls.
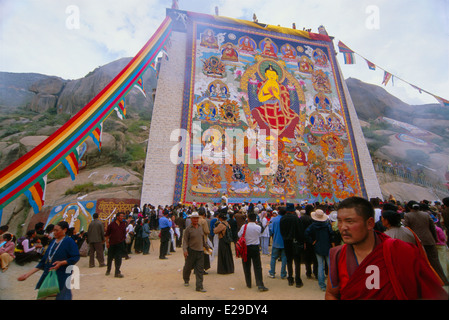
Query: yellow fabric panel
x: 284, y: 30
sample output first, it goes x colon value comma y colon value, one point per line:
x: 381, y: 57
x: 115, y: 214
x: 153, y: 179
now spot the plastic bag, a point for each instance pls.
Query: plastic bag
x: 49, y: 287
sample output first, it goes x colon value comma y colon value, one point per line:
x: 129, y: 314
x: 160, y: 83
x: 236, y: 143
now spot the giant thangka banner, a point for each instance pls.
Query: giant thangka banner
x: 264, y: 119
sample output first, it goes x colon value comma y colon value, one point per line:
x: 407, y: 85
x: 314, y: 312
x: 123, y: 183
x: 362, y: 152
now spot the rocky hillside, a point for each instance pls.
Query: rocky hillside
x: 409, y: 144
x: 41, y: 93
x: 372, y: 101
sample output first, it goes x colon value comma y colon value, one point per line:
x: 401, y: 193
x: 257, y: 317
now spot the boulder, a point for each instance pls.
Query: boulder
x: 10, y: 154
x: 51, y: 85
x: 108, y: 143
x: 32, y: 141
x: 42, y: 102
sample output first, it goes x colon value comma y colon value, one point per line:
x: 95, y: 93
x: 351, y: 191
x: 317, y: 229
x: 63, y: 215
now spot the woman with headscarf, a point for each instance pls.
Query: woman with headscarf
x: 392, y: 221
x: 61, y: 254
x: 225, y: 263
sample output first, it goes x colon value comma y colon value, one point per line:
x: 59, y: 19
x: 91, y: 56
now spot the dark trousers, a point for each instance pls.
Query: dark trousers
x: 253, y: 256
x: 165, y: 242
x: 116, y: 252
x: 293, y: 256
x: 130, y: 245
x: 98, y: 248
x: 146, y: 245
x: 310, y: 261
x: 195, y: 261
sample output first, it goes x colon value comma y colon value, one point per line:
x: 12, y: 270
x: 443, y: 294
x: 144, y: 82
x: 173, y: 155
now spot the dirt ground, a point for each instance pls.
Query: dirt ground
x: 149, y: 278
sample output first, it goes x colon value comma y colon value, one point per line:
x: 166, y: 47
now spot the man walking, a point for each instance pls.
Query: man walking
x: 95, y: 239
x: 293, y: 235
x: 165, y: 225
x: 115, y: 242
x: 252, y: 233
x: 193, y: 245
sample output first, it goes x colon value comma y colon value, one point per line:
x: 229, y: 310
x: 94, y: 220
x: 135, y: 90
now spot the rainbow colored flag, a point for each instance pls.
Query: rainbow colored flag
x: 36, y: 194
x: 387, y: 77
x: 96, y: 135
x: 139, y: 84
x: 348, y: 54
x: 29, y: 169
x: 371, y: 65
x: 71, y: 162
x: 121, y: 109
x: 443, y: 102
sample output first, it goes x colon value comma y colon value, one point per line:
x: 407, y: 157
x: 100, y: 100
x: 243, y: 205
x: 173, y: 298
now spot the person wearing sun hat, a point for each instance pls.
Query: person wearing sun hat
x: 320, y: 234
x: 193, y: 247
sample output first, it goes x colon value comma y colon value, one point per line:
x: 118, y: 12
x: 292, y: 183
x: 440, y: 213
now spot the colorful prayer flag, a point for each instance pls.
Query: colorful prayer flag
x: 153, y: 66
x: 36, y: 194
x: 139, y: 85
x: 348, y: 54
x: 121, y: 109
x: 371, y: 65
x: 96, y: 135
x: 387, y: 77
x: 349, y: 58
x: 443, y: 102
x: 71, y: 162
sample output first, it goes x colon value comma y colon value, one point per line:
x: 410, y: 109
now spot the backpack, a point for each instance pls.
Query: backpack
x: 262, y: 228
x: 228, y: 235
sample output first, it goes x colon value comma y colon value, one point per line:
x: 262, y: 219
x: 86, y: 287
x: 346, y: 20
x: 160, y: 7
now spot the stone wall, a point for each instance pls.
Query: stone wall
x: 160, y: 173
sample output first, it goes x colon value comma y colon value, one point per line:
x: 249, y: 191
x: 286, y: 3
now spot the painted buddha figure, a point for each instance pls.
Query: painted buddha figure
x: 269, y: 49
x: 288, y: 52
x: 209, y: 40
x: 207, y: 111
x: 305, y: 65
x: 275, y: 111
x: 229, y: 53
x: 299, y: 157
x: 246, y: 45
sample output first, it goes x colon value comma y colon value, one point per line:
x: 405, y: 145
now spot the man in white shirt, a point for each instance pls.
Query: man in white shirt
x: 252, y: 235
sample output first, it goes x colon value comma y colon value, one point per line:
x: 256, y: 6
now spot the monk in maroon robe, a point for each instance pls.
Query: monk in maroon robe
x: 371, y: 265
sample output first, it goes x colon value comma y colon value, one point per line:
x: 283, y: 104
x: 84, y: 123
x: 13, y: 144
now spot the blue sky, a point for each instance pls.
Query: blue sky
x: 70, y: 38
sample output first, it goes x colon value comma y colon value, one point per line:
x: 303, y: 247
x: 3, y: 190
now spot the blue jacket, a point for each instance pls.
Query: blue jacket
x: 146, y: 230
x: 321, y: 232
x: 275, y: 231
x: 67, y: 250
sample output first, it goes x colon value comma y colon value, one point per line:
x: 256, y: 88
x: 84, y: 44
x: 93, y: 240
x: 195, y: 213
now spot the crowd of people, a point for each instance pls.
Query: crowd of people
x: 319, y: 236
